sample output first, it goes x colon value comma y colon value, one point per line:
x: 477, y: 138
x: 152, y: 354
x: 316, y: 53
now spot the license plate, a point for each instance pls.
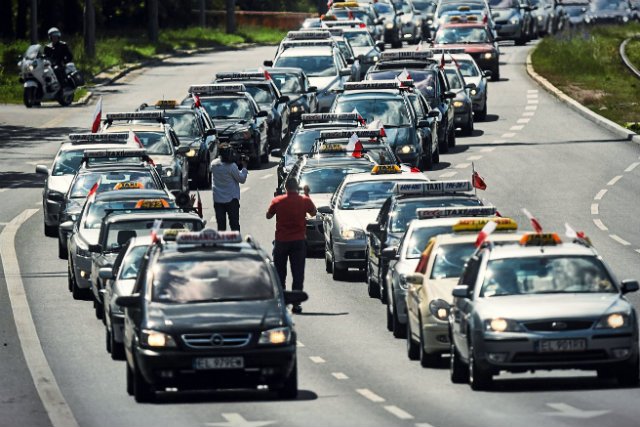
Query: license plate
x: 561, y: 346
x: 203, y: 363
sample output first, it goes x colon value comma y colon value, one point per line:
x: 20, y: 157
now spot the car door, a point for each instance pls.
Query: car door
x: 446, y: 108
x: 327, y: 219
x: 376, y: 240
x: 180, y: 159
x: 462, y: 308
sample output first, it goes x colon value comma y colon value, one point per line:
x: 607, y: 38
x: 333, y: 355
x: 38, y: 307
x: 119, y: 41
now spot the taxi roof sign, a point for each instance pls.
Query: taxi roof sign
x: 115, y: 153
x: 421, y: 55
x: 136, y: 115
x: 84, y: 138
x: 449, y: 51
x: 167, y: 103
x: 347, y: 133
x: 349, y: 4
x: 432, y: 187
x: 308, y: 43
x: 152, y: 204
x: 208, y: 237
x: 240, y: 75
x: 372, y: 84
x: 386, y: 170
x: 128, y: 185
x: 170, y: 234
x: 332, y: 148
x: 343, y: 23
x: 217, y: 88
x: 540, y: 239
x: 309, y: 35
x: 454, y: 211
x: 336, y: 32
x: 329, y: 117
x: 502, y: 224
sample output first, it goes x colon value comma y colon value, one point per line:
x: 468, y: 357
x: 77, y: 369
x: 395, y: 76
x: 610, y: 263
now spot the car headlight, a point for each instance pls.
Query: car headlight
x: 406, y: 149
x: 613, y: 321
x: 74, y: 217
x: 458, y: 104
x: 31, y: 67
x: 241, y: 136
x: 167, y: 171
x: 499, y: 324
x: 348, y: 233
x: 625, y: 19
x: 488, y: 55
x: 157, y: 339
x: 297, y: 109
x: 515, y: 20
x: 539, y: 17
x: 429, y: 21
x: 275, y: 336
x: 587, y: 19
x: 191, y: 153
x: 473, y: 92
x: 375, y: 58
x: 389, y: 26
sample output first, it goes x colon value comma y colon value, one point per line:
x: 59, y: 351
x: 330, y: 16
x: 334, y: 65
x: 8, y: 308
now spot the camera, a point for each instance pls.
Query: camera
x: 229, y: 154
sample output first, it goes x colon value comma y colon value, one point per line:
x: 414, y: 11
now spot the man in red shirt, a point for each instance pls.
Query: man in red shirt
x: 291, y: 211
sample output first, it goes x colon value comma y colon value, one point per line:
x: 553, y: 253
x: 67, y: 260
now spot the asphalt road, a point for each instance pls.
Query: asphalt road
x: 533, y: 153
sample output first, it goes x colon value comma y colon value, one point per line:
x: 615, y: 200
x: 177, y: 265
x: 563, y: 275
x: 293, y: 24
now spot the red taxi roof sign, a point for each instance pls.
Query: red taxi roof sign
x: 217, y: 88
x: 88, y: 138
x: 152, y: 204
x: 208, y: 237
x: 135, y: 115
x: 540, y: 239
x: 432, y: 187
x: 454, y: 211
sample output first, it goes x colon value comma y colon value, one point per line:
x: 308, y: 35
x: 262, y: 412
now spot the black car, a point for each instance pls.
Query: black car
x: 208, y: 312
x: 391, y: 22
x: 395, y: 215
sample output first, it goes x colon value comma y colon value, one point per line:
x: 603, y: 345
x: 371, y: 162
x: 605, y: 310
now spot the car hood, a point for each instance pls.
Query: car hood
x: 321, y: 199
x: 407, y: 266
x: 190, y: 142
x: 550, y: 306
x: 441, y: 288
x: 503, y: 14
x: 124, y: 287
x: 357, y: 218
x: 364, y: 51
x: 229, y: 127
x: 59, y: 183
x: 398, y: 136
x: 91, y: 236
x: 294, y: 98
x: 161, y: 160
x: 475, y: 80
x: 233, y: 315
x: 322, y: 82
x: 469, y: 48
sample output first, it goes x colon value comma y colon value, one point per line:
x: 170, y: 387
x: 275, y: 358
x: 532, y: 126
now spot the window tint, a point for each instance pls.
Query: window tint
x: 228, y: 108
x: 155, y: 142
x: 109, y: 182
x: 420, y: 238
x: 67, y: 162
x: 391, y: 112
x: 450, y: 260
x: 327, y: 180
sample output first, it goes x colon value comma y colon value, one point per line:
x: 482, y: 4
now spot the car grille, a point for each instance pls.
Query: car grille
x: 217, y: 340
x: 559, y: 325
x: 589, y: 355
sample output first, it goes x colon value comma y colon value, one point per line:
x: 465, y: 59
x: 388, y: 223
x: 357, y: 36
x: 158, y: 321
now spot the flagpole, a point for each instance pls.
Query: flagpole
x: 473, y: 174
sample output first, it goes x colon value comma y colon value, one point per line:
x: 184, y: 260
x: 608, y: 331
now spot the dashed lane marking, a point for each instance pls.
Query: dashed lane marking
x: 267, y: 176
x: 619, y: 240
x: 472, y: 158
x: 400, y: 413
x: 532, y: 95
x: 600, y: 224
x: 600, y: 194
x: 448, y: 174
x: 632, y: 166
x: 462, y: 165
x: 638, y: 250
x: 317, y: 359
x: 517, y: 127
x: 532, y: 101
x: 45, y: 382
x: 487, y: 149
x: 594, y: 209
x: 339, y: 376
x: 531, y: 107
x: 299, y: 344
x: 501, y: 141
x: 368, y: 394
x: 523, y: 121
x: 508, y: 135
x: 532, y: 91
x: 614, y: 180
x: 244, y: 189
x: 423, y: 425
x: 528, y: 114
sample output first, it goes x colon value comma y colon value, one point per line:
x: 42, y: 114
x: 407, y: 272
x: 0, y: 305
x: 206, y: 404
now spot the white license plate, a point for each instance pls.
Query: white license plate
x: 561, y: 346
x: 202, y: 363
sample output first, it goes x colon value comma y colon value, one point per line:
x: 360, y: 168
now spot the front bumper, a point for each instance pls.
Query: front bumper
x: 174, y: 368
x: 391, y: 35
x: 173, y: 182
x: 400, y: 304
x: 82, y: 271
x: 484, y: 63
x: 461, y: 116
x: 350, y: 253
x: 478, y: 102
x: 117, y: 327
x: 509, y: 31
x: 409, y: 158
x: 436, y: 335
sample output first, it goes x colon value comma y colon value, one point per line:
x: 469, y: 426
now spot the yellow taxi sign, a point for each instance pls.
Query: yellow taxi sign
x: 502, y: 224
x: 128, y: 185
x: 167, y: 103
x: 385, y: 170
x: 540, y: 239
x: 346, y: 4
x: 170, y: 234
x: 332, y: 148
x: 152, y: 204
x: 464, y: 8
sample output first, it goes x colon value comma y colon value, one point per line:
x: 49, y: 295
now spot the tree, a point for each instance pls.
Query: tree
x: 231, y: 16
x: 6, y: 19
x: 89, y: 29
x: 203, y: 18
x: 34, y: 22
x: 152, y: 10
x: 21, y: 20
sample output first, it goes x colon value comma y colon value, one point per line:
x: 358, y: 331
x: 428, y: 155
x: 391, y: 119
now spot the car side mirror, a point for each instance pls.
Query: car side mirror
x: 390, y: 253
x: 283, y: 99
x: 461, y: 291
x: 95, y: 248
x: 276, y: 152
x: 67, y: 226
x: 487, y: 73
x: 629, y: 286
x: 350, y: 61
x: 440, y: 309
x: 133, y: 300
x: 312, y: 89
x: 182, y: 150
x: 399, y: 13
x: 415, y: 279
x: 211, y: 132
x: 380, y: 46
x: 262, y: 113
x: 423, y: 123
x: 325, y: 210
x: 449, y: 95
x: 433, y: 113
x: 42, y: 170
x: 295, y: 297
x: 470, y: 86
x: 345, y: 72
x: 105, y: 273
x: 268, y: 63
x: 374, y: 227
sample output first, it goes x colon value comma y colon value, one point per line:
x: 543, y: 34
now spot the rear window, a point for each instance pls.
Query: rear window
x: 450, y: 260
x: 406, y: 210
x: 120, y: 233
x: 110, y: 180
x: 214, y: 278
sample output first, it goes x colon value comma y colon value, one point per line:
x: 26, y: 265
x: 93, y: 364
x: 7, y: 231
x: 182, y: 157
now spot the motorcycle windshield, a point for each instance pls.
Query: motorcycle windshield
x: 33, y: 51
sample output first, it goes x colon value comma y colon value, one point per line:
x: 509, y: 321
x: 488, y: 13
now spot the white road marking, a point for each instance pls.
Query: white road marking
x: 614, y: 180
x: 500, y: 141
x: 462, y: 165
x: 299, y: 344
x: 365, y: 392
x: 37, y: 162
x: 523, y: 120
x: 532, y: 95
x: 600, y: 194
x: 532, y: 101
x: 594, y: 209
x: 531, y: 107
x: 632, y: 166
x: 423, y: 425
x: 638, y: 250
x: 619, y: 240
x: 448, y: 174
x: 569, y: 411
x: 243, y: 189
x: 400, y: 413
x: 472, y: 158
x: 508, y: 135
x: 528, y: 113
x: 236, y: 420
x: 517, y: 127
x: 339, y: 376
x: 317, y: 359
x: 2, y: 190
x: 46, y: 385
x: 267, y: 176
x: 488, y: 149
x: 600, y: 224
x: 532, y: 91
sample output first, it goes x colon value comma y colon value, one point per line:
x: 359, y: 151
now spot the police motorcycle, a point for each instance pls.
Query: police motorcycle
x: 40, y: 81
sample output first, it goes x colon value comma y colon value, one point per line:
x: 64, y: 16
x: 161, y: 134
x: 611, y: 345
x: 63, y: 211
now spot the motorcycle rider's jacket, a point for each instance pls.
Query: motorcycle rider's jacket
x: 58, y: 53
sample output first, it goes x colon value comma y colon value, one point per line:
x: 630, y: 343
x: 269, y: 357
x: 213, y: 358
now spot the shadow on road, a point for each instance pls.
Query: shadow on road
x: 533, y: 385
x: 29, y: 137
x: 440, y: 166
x: 20, y: 180
x: 317, y: 313
x: 490, y: 118
x: 239, y: 396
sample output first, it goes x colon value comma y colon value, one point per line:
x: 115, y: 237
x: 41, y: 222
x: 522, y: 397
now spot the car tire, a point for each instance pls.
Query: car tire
x: 495, y: 76
x: 50, y: 230
x: 399, y: 330
x: 99, y: 309
x: 29, y: 97
x: 264, y: 158
x: 107, y: 340
x: 373, y: 287
x: 451, y: 140
x: 628, y: 374
x: 289, y: 389
x: 77, y: 292
x: 129, y: 381
x: 143, y: 392
x: 482, y: 115
x: 468, y: 128
x: 389, y: 319
x: 443, y: 146
x: 427, y: 360
x: 522, y: 40
x: 458, y: 372
x: 413, y: 349
x: 62, y: 251
x: 117, y: 348
x: 479, y: 377
x: 426, y: 162
x: 436, y: 156
x: 328, y: 265
x: 338, y: 271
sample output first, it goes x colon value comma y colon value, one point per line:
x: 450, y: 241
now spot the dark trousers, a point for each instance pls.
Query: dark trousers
x: 296, y: 252
x: 232, y: 209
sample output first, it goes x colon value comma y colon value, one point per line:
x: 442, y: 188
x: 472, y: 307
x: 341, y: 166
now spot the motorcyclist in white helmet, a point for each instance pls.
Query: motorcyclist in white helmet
x: 58, y: 53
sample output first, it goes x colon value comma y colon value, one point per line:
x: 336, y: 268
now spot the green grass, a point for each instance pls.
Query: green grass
x: 585, y: 64
x: 114, y: 50
x: 633, y: 52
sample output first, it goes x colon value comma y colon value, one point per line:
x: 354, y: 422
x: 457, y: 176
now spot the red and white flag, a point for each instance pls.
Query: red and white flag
x: 534, y: 222
x: 404, y: 75
x: 199, y: 206
x: 196, y: 100
x: 267, y: 76
x: 157, y: 225
x: 573, y: 234
x: 360, y: 119
x: 134, y: 137
x: 442, y: 62
x: 350, y: 15
x: 478, y: 181
x: 376, y: 124
x: 485, y: 232
x: 97, y: 117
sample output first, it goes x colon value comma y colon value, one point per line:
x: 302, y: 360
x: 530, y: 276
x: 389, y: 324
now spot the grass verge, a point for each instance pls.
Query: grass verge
x: 116, y: 50
x: 585, y: 64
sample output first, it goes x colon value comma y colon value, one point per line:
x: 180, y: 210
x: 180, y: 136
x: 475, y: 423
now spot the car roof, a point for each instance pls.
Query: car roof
x: 403, y: 176
x: 332, y: 162
x: 307, y: 51
x: 518, y: 251
x: 148, y: 215
x: 131, y: 194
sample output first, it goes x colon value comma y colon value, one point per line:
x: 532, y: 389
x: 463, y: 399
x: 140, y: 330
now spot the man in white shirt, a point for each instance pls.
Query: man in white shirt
x: 226, y: 177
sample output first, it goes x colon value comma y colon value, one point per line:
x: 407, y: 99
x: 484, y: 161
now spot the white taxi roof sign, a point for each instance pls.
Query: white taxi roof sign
x: 406, y: 54
x: 336, y: 32
x: 454, y: 211
x: 217, y: 88
x: 83, y: 138
x: 308, y: 43
x: 240, y: 75
x: 372, y: 84
x: 208, y: 237
x: 433, y: 187
x: 309, y: 35
x: 347, y: 133
x: 114, y: 153
x: 343, y: 23
x: 329, y: 117
x: 135, y: 115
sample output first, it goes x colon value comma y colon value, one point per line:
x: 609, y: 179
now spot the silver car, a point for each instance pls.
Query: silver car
x: 540, y: 304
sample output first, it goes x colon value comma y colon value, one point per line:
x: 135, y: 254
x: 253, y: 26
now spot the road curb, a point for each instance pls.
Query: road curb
x: 625, y: 59
x: 579, y: 108
x: 85, y: 99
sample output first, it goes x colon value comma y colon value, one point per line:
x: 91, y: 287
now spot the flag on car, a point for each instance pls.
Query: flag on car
x: 404, y: 75
x: 485, y: 232
x: 534, y: 222
x: 478, y: 181
x: 97, y: 117
x: 361, y: 119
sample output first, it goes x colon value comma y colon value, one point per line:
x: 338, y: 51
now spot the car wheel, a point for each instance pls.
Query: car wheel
x: 399, y: 330
x: 427, y: 360
x: 62, y: 251
x: 69, y: 281
x: 482, y: 115
x: 129, y: 381
x: 142, y: 391
x: 117, y: 348
x: 522, y: 40
x: 29, y: 97
x: 328, y: 265
x: 289, y: 389
x: 413, y: 349
x: 107, y: 340
x: 479, y: 377
x: 458, y: 372
x: 628, y: 374
x: 443, y: 146
x: 436, y: 156
x: 373, y: 287
x: 452, y: 138
x: 468, y: 128
x: 264, y: 158
x: 99, y: 309
x: 77, y: 292
x: 338, y: 271
x: 495, y: 76
x: 426, y: 162
x: 50, y: 230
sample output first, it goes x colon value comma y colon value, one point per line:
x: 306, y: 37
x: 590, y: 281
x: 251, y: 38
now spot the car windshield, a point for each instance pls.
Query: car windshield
x: 453, y: 78
x: 598, y: 5
x: 468, y: 68
x: 546, y: 275
x: 367, y: 194
x: 346, y: 52
x: 405, y: 211
x: 359, y: 38
x: 109, y: 181
x: 453, y: 35
x: 288, y: 82
x: 67, y: 163
x: 216, y: 277
x: 426, y: 6
x: 119, y: 233
x: 131, y: 263
x: 504, y: 4
x: 327, y: 179
x: 155, y: 142
x: 98, y: 210
x: 228, y: 108
x: 417, y: 242
x: 450, y: 259
x: 185, y: 124
x: 405, y: 7
x: 575, y: 9
x: 454, y: 7
x: 391, y: 112
x: 260, y: 93
x: 313, y: 66
x: 423, y: 80
x: 353, y: 14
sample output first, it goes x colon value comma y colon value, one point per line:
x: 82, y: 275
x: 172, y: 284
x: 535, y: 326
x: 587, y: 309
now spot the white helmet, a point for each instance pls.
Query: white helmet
x: 54, y: 32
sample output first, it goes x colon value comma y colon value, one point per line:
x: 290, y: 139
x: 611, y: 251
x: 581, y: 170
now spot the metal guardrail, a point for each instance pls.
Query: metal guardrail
x: 625, y: 59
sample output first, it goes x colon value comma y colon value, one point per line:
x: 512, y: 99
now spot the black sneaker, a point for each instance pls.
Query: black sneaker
x: 297, y: 309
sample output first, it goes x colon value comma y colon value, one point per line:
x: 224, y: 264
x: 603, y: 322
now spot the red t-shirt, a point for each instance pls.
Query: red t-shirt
x: 291, y: 211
